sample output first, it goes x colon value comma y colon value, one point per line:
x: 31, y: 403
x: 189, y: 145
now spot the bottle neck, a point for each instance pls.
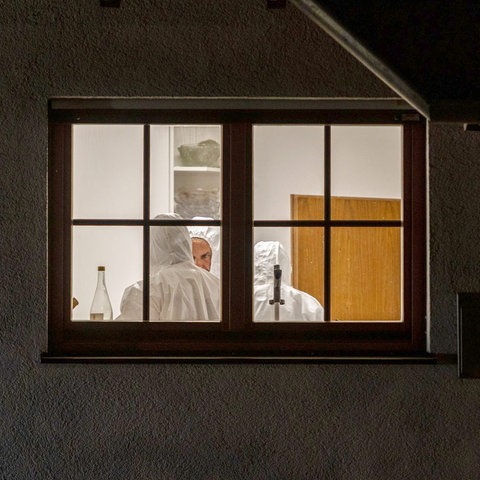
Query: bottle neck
x: 101, y: 278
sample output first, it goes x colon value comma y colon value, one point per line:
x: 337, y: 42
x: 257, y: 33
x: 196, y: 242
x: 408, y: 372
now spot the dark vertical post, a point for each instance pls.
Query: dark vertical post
x: 59, y: 233
x: 328, y: 217
x: 146, y: 226
x: 225, y: 229
x: 240, y: 230
x: 417, y: 227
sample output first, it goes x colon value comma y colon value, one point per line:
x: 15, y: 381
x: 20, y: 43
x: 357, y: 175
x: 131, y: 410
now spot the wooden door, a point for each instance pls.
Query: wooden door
x: 366, y: 268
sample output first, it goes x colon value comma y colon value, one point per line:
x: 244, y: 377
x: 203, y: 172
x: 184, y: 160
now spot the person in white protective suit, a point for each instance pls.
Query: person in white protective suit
x: 298, y: 306
x: 179, y: 290
x: 206, y: 246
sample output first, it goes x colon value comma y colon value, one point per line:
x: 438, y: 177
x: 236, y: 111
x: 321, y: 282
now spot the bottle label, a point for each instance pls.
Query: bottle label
x: 96, y: 316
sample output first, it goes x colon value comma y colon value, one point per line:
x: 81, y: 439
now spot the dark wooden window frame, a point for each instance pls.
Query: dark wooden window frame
x: 236, y: 336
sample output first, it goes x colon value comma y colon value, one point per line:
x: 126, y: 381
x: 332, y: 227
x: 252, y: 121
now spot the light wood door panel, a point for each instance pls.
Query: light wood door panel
x: 366, y: 273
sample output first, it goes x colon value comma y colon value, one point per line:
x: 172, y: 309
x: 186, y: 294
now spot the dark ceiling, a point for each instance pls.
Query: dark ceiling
x: 428, y: 51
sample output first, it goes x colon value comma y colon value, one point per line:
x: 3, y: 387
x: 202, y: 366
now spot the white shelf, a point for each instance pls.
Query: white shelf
x: 191, y: 178
x: 196, y: 169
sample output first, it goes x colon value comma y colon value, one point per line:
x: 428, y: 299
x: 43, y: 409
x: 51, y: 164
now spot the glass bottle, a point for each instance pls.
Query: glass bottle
x: 101, y: 308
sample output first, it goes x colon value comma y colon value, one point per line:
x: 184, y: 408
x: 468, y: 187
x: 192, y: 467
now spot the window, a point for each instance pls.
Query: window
x: 305, y: 219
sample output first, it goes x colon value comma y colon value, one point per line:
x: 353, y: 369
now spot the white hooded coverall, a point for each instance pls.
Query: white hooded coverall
x: 179, y: 290
x: 299, y: 305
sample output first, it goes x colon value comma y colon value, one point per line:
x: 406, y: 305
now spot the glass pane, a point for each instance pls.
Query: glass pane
x: 186, y: 170
x: 366, y: 274
x: 160, y: 166
x: 107, y: 171
x: 366, y: 164
x: 118, y: 249
x: 294, y: 290
x: 183, y: 288
x: 288, y: 166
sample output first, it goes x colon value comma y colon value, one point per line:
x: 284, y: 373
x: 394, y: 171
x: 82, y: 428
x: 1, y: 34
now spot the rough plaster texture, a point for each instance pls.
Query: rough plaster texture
x: 211, y: 421
x: 454, y: 226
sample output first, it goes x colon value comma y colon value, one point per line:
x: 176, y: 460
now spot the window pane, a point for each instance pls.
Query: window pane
x: 107, y: 170
x: 366, y: 163
x: 292, y: 292
x: 160, y: 170
x: 181, y: 288
x: 186, y: 170
x: 366, y: 274
x: 287, y: 162
x: 118, y: 249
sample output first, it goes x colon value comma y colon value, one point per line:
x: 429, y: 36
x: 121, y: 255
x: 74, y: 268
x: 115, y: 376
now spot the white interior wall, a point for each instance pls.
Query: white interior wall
x: 367, y: 161
x: 107, y: 178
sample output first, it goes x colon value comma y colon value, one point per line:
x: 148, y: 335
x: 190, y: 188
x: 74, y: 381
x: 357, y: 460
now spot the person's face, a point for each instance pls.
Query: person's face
x: 202, y: 253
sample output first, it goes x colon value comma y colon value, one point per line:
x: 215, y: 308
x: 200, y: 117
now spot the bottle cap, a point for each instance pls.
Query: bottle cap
x: 101, y: 268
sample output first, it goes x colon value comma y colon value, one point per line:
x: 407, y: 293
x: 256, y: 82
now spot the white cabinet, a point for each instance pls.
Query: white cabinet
x: 194, y: 188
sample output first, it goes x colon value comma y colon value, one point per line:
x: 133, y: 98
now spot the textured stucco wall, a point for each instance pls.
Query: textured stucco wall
x: 211, y: 421
x: 454, y: 226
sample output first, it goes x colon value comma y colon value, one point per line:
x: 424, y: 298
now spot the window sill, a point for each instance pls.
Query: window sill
x: 419, y: 359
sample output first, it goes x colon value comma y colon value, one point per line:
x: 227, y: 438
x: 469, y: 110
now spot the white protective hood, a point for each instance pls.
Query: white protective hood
x: 299, y: 306
x: 168, y: 245
x: 179, y: 290
x: 212, y: 236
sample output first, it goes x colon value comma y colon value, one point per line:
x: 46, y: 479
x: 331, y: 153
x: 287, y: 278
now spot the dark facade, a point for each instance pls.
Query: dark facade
x: 257, y: 421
